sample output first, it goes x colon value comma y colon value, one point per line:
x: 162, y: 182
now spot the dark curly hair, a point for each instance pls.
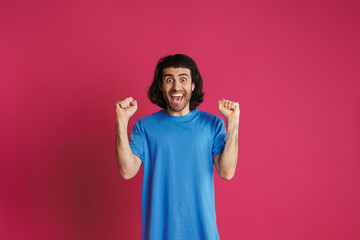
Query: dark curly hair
x: 176, y: 61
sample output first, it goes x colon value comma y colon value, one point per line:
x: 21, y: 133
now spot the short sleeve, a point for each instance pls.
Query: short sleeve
x: 219, y: 138
x: 137, y: 141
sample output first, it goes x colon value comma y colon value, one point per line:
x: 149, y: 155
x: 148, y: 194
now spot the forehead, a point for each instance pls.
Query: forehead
x: 176, y: 71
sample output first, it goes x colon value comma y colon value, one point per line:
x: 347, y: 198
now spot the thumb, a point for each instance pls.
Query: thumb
x: 133, y: 103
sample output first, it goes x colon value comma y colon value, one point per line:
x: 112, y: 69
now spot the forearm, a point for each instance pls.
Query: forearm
x: 125, y: 158
x: 229, y: 156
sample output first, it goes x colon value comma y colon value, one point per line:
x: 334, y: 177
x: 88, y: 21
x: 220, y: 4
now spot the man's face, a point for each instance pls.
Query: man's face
x: 177, y: 87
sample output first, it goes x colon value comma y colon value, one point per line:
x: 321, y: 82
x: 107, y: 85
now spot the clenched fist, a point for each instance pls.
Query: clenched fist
x: 229, y: 109
x: 125, y: 108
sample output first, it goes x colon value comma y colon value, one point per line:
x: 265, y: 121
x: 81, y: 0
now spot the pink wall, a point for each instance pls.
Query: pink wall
x: 292, y: 65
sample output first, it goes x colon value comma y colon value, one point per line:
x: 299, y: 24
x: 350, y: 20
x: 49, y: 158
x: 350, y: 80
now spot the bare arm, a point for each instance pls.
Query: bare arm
x: 128, y: 163
x: 226, y: 162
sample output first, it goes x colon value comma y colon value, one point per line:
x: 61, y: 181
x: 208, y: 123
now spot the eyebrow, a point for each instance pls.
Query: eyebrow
x: 181, y: 74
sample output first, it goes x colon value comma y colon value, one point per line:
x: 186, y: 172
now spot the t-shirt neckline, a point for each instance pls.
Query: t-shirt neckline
x: 187, y: 117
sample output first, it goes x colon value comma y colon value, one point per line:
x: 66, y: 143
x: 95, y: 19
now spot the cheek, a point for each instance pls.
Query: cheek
x: 190, y: 88
x: 163, y: 88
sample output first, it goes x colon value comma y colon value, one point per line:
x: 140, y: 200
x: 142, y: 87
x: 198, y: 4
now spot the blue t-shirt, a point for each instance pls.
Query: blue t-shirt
x: 178, y: 200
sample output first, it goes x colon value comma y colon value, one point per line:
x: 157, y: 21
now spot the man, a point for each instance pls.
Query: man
x: 177, y: 147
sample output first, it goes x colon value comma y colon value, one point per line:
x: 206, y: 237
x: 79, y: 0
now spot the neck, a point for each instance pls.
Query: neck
x: 183, y: 112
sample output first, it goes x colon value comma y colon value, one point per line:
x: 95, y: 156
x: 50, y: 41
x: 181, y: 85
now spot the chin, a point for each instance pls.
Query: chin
x: 178, y: 109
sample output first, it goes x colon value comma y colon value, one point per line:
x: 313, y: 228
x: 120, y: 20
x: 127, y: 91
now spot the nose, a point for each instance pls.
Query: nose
x: 176, y: 85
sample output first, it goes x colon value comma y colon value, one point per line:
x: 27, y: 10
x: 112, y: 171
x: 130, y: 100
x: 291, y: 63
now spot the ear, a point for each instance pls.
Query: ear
x: 192, y: 86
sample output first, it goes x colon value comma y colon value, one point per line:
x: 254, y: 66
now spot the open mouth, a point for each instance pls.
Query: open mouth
x: 177, y: 97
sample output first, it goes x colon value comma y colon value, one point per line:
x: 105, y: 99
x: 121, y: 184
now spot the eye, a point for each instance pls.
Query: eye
x: 169, y: 80
x: 183, y: 79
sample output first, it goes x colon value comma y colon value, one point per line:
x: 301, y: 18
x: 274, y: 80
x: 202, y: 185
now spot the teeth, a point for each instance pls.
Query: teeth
x: 177, y: 95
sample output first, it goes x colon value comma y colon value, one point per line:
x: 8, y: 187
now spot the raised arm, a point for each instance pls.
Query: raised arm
x: 226, y: 162
x: 128, y: 163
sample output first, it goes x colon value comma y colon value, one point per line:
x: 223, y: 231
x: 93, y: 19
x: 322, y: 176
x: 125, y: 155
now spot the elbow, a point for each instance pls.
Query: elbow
x: 227, y: 176
x: 128, y: 171
x: 126, y: 175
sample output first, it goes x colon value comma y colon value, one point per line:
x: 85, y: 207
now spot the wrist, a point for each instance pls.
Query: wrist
x: 121, y: 125
x: 232, y: 120
x: 123, y: 120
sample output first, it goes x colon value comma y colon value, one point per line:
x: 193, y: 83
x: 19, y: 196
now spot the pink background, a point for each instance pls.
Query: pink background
x: 292, y: 65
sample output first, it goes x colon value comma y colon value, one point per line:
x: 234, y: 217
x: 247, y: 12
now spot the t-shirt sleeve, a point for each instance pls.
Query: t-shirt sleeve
x: 219, y: 137
x: 137, y: 141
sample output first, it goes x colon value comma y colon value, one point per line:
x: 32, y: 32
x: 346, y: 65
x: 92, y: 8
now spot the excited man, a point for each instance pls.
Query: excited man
x: 177, y: 147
